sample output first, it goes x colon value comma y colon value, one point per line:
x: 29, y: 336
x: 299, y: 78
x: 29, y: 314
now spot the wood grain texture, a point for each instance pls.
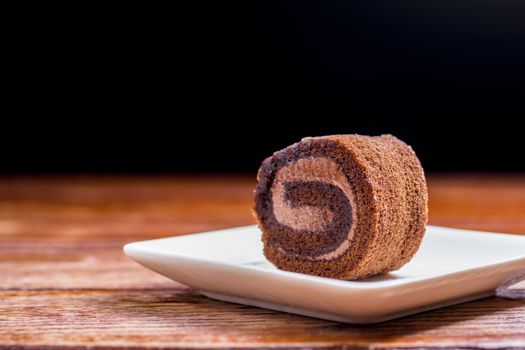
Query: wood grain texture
x: 175, y: 317
x: 64, y: 282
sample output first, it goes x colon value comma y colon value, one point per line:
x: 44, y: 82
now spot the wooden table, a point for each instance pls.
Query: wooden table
x: 65, y: 283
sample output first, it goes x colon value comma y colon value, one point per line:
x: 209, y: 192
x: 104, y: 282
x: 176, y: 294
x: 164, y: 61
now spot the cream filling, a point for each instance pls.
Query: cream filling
x: 311, y: 218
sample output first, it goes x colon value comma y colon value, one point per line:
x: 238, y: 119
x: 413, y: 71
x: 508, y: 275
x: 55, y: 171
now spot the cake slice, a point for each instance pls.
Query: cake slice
x: 342, y: 206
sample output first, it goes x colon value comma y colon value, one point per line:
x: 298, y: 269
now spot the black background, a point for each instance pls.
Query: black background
x: 219, y: 86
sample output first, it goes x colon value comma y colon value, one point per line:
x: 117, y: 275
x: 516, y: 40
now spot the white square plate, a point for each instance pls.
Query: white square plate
x: 451, y: 266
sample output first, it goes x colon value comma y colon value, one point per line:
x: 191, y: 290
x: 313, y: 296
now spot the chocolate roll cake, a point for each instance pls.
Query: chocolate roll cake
x: 342, y: 206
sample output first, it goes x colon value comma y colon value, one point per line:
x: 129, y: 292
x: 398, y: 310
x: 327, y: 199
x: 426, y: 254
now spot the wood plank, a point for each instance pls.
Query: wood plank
x: 111, y: 211
x: 80, y: 268
x: 178, y: 318
x: 479, y: 202
x: 65, y: 282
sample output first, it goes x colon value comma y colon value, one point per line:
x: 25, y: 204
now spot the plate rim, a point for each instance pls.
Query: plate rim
x: 131, y: 248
